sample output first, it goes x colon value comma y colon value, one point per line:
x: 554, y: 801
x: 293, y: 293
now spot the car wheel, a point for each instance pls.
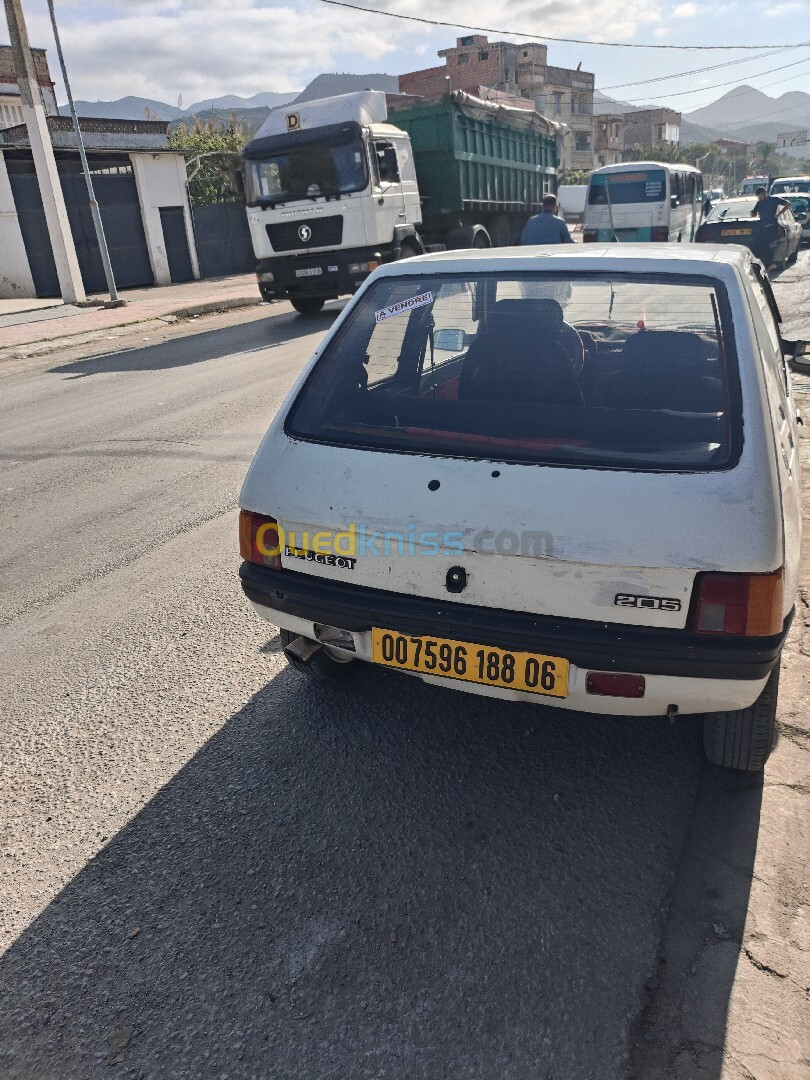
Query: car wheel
x: 308, y: 305
x: 743, y: 739
x: 321, y: 665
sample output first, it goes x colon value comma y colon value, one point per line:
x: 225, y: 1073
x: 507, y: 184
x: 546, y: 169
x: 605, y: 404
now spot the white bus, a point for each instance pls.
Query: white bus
x: 643, y: 200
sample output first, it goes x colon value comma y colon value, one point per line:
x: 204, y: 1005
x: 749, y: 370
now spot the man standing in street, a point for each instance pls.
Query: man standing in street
x: 768, y: 209
x: 546, y: 228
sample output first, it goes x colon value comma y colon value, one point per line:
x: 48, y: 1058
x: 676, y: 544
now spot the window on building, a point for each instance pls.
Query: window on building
x: 659, y: 133
x: 557, y: 103
x: 483, y: 55
x: 525, y: 53
x: 582, y: 141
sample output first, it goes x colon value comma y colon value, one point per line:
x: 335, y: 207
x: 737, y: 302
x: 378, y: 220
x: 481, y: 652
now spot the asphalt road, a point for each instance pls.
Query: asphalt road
x: 211, y: 867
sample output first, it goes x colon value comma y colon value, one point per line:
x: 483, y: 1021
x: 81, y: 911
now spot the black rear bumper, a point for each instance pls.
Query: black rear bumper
x: 588, y: 645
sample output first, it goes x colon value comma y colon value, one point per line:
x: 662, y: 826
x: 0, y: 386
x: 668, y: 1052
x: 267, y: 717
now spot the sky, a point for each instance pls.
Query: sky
x: 198, y: 49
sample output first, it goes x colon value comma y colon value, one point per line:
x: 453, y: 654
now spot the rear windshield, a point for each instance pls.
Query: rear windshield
x: 630, y: 187
x: 596, y: 370
x: 799, y: 183
x: 732, y: 210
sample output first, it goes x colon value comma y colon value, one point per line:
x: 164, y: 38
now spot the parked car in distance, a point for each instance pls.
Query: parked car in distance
x: 715, y: 195
x: 800, y: 205
x: 566, y: 476
x: 751, y: 183
x: 730, y: 222
x: 784, y: 185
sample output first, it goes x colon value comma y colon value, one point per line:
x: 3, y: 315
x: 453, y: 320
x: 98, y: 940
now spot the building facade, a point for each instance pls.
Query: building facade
x: 649, y: 127
x: 10, y: 103
x: 521, y: 71
x: 140, y: 186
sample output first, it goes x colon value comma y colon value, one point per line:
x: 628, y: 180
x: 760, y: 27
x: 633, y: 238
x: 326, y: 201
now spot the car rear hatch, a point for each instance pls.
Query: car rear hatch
x: 450, y: 444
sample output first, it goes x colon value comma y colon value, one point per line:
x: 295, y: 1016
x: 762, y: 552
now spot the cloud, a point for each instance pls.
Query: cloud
x: 685, y: 11
x: 203, y: 48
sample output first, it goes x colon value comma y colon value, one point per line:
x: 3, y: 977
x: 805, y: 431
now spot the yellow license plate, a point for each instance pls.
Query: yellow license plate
x: 531, y: 672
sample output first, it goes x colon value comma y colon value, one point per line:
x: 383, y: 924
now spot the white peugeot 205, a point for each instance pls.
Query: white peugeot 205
x: 562, y: 475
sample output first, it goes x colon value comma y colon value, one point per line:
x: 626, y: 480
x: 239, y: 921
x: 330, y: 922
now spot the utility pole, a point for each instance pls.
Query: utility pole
x: 94, y: 210
x: 53, y: 200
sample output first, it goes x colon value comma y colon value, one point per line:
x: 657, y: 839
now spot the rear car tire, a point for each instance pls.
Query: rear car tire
x: 320, y: 665
x: 743, y: 739
x: 307, y: 305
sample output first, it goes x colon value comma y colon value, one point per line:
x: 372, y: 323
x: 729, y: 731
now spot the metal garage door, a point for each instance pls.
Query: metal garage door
x: 117, y: 197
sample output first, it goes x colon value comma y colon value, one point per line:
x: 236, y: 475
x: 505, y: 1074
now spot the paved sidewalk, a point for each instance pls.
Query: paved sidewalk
x: 26, y: 322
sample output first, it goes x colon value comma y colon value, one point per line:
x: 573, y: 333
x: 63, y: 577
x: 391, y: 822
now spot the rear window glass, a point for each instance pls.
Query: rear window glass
x: 799, y: 183
x: 629, y: 187
x: 732, y: 210
x: 597, y: 370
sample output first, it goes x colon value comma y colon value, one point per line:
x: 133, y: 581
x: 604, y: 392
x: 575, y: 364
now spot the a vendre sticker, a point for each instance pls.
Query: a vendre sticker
x: 404, y: 305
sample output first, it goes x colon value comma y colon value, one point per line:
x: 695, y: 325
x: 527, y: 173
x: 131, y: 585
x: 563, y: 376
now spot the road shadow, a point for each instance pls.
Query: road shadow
x: 683, y: 1030
x: 367, y: 880
x: 245, y: 337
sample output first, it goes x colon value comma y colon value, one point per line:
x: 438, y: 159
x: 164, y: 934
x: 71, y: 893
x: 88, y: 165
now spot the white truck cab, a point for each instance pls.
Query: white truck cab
x: 331, y: 193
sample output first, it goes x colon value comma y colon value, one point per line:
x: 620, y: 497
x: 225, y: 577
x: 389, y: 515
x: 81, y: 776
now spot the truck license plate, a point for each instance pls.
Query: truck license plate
x: 312, y: 271
x: 530, y: 672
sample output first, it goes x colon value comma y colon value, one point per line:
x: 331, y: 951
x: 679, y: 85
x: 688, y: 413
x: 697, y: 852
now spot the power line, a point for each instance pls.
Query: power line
x: 717, y: 86
x: 696, y: 71
x: 549, y: 37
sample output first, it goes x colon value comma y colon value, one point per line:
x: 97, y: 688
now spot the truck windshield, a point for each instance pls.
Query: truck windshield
x: 306, y: 172
x: 628, y: 187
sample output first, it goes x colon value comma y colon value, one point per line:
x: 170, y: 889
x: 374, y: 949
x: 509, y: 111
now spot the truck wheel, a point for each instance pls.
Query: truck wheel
x: 481, y: 239
x: 743, y: 739
x: 500, y: 231
x: 321, y: 665
x: 308, y: 305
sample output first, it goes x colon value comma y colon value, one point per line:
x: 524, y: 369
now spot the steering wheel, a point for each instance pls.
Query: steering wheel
x: 572, y: 343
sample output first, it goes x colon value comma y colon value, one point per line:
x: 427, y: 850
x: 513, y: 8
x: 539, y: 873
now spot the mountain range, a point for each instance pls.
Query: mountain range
x: 744, y: 113
x: 326, y: 85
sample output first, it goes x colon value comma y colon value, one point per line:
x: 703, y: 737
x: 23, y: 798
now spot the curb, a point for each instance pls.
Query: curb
x: 214, y: 305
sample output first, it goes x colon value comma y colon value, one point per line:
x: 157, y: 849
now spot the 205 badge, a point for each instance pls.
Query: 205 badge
x: 649, y: 603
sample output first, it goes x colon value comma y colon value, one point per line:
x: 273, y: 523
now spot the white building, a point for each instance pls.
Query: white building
x: 10, y: 107
x: 140, y: 185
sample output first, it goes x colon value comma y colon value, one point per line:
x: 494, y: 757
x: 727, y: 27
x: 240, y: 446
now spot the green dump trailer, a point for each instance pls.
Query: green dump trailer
x: 483, y: 168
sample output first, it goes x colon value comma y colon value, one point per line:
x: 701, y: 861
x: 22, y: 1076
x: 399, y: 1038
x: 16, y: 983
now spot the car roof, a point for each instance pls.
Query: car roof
x: 711, y: 259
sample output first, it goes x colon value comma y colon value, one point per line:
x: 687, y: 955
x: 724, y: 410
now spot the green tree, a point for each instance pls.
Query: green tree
x: 213, y: 158
x: 574, y: 176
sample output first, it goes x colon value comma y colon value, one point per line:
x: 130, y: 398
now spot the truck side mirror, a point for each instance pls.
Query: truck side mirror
x: 673, y: 202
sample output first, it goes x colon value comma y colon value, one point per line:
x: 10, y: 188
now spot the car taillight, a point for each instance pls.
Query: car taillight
x: 589, y: 236
x: 659, y: 234
x: 259, y: 540
x: 746, y: 604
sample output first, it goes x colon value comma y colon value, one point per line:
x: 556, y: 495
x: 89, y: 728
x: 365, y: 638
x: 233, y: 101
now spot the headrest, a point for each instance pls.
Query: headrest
x: 680, y: 351
x: 529, y: 316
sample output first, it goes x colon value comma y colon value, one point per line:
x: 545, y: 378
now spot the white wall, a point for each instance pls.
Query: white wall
x: 161, y: 181
x: 15, y: 275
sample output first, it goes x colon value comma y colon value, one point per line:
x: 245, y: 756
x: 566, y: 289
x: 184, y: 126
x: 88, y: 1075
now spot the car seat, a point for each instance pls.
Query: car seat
x: 521, y: 356
x: 664, y: 369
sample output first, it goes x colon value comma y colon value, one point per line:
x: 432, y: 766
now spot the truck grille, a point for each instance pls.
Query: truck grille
x: 324, y: 232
